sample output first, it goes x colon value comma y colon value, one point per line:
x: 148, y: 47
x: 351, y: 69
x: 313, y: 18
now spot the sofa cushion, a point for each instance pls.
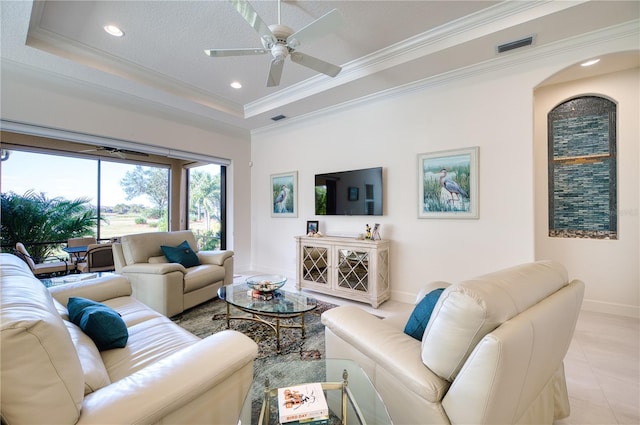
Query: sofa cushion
x: 182, y: 254
x: 419, y: 318
x: 40, y: 381
x: 150, y: 340
x: 158, y: 259
x: 469, y: 310
x: 100, y: 322
x: 201, y: 276
x: 95, y: 374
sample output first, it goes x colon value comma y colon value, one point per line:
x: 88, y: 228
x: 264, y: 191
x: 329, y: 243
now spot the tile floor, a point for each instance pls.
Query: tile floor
x: 603, y: 370
x: 602, y: 366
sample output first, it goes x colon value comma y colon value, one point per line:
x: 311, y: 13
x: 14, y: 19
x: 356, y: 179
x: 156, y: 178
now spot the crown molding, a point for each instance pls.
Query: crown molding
x: 495, y: 18
x: 629, y: 31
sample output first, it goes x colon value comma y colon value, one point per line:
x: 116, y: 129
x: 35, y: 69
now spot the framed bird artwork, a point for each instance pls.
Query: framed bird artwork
x: 448, y: 184
x: 284, y: 194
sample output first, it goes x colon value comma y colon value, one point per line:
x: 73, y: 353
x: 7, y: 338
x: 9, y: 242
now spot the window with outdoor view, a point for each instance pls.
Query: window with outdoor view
x: 70, y: 197
x: 206, y: 205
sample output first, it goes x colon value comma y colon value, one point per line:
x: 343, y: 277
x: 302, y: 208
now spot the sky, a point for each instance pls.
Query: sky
x: 67, y: 177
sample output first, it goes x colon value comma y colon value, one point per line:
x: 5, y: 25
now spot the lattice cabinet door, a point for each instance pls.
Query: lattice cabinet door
x: 353, y: 269
x: 315, y: 264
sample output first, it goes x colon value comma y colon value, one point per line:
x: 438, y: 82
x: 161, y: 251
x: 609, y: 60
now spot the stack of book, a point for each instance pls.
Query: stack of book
x: 303, y: 404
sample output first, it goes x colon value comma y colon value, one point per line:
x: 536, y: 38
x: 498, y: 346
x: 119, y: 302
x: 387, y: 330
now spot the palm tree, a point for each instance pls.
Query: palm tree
x: 32, y: 218
x: 204, y: 190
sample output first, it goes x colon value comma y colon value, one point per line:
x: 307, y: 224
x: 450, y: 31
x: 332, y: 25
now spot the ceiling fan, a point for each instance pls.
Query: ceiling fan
x: 281, y: 41
x: 120, y: 153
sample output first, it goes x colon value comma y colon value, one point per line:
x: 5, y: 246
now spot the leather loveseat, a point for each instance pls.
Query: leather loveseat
x: 492, y: 351
x: 170, y: 288
x: 53, y: 373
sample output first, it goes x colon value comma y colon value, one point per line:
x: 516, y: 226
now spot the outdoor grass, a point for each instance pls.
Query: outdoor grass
x: 116, y: 225
x: 121, y: 224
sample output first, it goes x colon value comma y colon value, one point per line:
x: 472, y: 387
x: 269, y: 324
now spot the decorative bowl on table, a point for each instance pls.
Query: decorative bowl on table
x: 266, y: 282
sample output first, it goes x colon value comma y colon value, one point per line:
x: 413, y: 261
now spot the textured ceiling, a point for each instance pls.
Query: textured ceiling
x: 381, y: 45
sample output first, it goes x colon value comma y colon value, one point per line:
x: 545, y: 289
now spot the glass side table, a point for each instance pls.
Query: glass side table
x: 351, y: 396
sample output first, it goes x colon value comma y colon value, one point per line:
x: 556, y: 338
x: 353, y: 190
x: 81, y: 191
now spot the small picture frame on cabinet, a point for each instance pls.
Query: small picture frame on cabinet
x: 312, y: 227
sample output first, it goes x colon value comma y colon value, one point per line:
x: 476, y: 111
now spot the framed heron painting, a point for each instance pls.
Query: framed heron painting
x: 284, y: 194
x: 448, y: 184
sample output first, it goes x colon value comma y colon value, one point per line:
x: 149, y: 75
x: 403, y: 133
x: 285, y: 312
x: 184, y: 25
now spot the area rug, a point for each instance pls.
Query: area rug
x: 210, y: 317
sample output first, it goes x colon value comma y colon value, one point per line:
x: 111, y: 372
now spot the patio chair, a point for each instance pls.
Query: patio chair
x: 80, y: 256
x: 99, y: 258
x: 46, y: 267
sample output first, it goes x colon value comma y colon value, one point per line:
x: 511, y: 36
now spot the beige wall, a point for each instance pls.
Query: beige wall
x: 609, y: 268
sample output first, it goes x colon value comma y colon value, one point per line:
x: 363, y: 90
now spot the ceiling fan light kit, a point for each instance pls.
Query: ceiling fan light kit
x: 281, y: 41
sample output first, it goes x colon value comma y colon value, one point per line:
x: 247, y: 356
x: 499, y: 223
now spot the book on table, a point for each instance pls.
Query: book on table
x: 300, y: 403
x: 320, y: 420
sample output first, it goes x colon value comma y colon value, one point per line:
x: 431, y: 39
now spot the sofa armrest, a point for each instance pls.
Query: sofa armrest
x: 156, y: 391
x: 388, y: 347
x: 214, y: 257
x: 153, y: 268
x: 99, y: 289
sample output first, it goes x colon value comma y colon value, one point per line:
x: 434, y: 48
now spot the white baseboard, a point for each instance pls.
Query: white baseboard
x: 611, y: 308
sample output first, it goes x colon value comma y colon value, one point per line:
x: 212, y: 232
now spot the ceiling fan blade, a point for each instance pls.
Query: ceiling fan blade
x: 249, y: 14
x: 275, y: 72
x: 218, y: 53
x: 324, y: 25
x: 316, y: 64
x: 130, y: 152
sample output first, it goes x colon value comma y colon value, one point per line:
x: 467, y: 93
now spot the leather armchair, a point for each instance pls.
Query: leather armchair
x: 170, y: 288
x: 492, y: 352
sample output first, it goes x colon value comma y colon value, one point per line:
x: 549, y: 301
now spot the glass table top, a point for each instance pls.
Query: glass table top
x: 370, y: 407
x: 283, y: 302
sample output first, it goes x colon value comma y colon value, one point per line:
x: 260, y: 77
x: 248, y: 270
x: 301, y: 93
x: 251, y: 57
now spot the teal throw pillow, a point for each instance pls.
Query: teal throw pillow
x: 182, y: 254
x: 100, y: 322
x: 419, y: 318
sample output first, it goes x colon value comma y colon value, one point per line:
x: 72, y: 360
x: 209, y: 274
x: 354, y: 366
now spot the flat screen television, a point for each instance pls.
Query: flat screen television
x: 353, y: 192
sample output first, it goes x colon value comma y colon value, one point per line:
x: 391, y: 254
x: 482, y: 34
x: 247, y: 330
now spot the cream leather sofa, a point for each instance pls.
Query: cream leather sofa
x: 52, y: 373
x: 170, y: 288
x: 492, y: 351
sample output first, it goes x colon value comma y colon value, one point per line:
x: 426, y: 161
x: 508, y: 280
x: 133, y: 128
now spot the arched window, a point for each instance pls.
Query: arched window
x: 582, y: 169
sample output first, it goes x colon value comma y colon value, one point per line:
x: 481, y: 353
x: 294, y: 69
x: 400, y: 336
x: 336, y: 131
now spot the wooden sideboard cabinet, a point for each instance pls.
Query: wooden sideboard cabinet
x: 344, y: 267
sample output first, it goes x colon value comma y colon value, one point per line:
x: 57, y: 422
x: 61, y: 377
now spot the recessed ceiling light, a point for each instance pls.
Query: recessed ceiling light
x: 236, y: 85
x: 113, y: 30
x: 591, y: 62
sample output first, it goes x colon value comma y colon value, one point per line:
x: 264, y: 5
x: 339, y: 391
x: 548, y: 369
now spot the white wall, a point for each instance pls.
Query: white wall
x: 494, y: 114
x: 60, y: 105
x: 491, y: 108
x: 609, y: 268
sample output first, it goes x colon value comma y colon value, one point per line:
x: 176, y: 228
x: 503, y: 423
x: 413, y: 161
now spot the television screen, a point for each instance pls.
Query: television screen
x: 354, y: 192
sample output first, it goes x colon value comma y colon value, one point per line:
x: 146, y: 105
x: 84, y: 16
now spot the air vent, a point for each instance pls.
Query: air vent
x: 278, y: 117
x: 523, y: 42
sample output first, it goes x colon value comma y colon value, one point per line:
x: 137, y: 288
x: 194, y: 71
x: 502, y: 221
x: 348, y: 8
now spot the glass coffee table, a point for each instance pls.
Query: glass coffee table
x: 268, y: 308
x: 351, y: 396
